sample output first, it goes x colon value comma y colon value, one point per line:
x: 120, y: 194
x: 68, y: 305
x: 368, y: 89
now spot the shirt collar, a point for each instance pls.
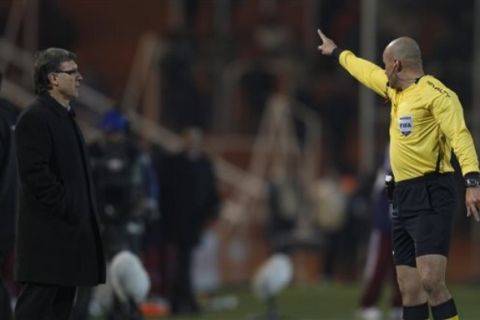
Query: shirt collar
x: 55, y: 106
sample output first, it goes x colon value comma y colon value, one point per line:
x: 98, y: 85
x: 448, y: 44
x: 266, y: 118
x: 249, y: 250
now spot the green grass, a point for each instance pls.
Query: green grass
x: 315, y: 302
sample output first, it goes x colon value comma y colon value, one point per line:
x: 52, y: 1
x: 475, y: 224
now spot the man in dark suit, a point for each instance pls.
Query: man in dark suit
x: 8, y: 194
x: 58, y: 245
x: 190, y: 201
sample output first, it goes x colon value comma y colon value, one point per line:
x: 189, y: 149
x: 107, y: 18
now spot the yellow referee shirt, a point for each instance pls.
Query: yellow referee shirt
x: 426, y: 122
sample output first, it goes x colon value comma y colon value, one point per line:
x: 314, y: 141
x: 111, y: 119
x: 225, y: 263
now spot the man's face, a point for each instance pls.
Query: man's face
x: 66, y: 80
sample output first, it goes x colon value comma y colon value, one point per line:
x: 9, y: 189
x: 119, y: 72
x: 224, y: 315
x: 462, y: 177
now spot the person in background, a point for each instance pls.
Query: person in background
x: 127, y: 199
x: 8, y: 195
x: 58, y: 245
x: 379, y: 266
x: 189, y: 202
x: 127, y: 191
x: 427, y: 125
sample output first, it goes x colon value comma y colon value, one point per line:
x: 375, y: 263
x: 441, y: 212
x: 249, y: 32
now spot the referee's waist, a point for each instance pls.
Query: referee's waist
x: 420, y: 179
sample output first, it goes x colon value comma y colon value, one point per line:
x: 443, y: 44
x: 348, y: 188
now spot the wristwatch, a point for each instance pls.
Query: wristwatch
x: 472, y: 182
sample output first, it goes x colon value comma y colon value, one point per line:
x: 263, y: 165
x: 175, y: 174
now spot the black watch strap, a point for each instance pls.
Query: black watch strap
x: 336, y: 52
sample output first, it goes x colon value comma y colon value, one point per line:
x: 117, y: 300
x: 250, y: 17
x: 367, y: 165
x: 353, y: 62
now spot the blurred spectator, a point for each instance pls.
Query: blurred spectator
x: 379, y: 266
x: 122, y: 174
x: 189, y: 202
x: 126, y: 187
x: 329, y: 202
x: 344, y: 240
x: 285, y: 200
x: 8, y: 196
x: 153, y: 239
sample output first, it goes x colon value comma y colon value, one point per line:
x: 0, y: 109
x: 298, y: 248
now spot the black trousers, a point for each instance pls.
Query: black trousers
x: 182, y: 298
x: 82, y: 302
x: 44, y: 302
x: 5, y: 307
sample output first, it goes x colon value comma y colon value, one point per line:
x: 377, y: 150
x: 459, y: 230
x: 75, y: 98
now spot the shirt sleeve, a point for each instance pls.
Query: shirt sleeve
x: 366, y: 72
x: 448, y: 111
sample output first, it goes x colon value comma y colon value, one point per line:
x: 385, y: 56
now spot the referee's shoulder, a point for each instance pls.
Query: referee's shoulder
x: 437, y: 88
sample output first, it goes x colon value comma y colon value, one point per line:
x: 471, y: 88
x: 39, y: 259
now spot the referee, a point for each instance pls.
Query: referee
x: 427, y: 124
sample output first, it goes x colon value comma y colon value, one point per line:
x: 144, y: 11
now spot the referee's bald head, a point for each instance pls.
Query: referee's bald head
x: 406, y: 50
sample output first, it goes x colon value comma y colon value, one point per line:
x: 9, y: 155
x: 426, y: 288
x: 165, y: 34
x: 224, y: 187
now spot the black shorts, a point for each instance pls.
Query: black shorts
x: 422, y: 217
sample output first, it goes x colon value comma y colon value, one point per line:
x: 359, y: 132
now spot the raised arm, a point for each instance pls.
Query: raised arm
x: 367, y: 73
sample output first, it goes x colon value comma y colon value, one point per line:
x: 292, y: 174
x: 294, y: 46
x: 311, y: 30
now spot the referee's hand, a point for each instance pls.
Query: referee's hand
x: 327, y: 46
x: 472, y: 201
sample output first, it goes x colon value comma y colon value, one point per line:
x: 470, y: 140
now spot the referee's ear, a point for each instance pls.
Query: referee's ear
x: 397, y: 65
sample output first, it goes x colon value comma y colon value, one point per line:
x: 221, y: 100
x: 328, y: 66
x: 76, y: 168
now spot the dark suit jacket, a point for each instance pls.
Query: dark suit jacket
x: 8, y: 175
x: 58, y: 239
x: 189, y: 198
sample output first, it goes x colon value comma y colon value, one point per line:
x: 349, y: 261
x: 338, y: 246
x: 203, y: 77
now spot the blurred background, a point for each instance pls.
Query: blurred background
x: 289, y: 143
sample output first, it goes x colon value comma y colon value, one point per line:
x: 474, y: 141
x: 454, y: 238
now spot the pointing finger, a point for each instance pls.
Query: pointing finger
x: 321, y: 34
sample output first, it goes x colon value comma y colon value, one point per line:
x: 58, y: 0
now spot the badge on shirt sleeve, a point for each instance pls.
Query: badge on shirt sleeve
x: 405, y: 124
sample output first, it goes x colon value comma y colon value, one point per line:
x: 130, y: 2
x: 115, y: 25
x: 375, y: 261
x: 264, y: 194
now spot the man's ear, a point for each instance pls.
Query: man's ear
x: 398, y: 65
x: 52, y: 78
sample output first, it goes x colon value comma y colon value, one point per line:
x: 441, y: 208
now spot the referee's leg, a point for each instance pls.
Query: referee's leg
x: 432, y: 242
x: 414, y: 297
x: 432, y: 269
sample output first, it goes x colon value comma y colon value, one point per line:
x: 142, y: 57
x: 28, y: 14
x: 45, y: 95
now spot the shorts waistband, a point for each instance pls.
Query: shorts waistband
x: 426, y: 177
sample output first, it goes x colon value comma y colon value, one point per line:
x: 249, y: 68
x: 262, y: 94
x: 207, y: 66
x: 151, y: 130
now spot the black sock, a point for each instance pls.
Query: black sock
x: 444, y: 310
x: 419, y: 312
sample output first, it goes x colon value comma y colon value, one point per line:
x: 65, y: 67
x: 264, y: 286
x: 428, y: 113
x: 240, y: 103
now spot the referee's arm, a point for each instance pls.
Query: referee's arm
x: 449, y: 114
x: 366, y: 72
